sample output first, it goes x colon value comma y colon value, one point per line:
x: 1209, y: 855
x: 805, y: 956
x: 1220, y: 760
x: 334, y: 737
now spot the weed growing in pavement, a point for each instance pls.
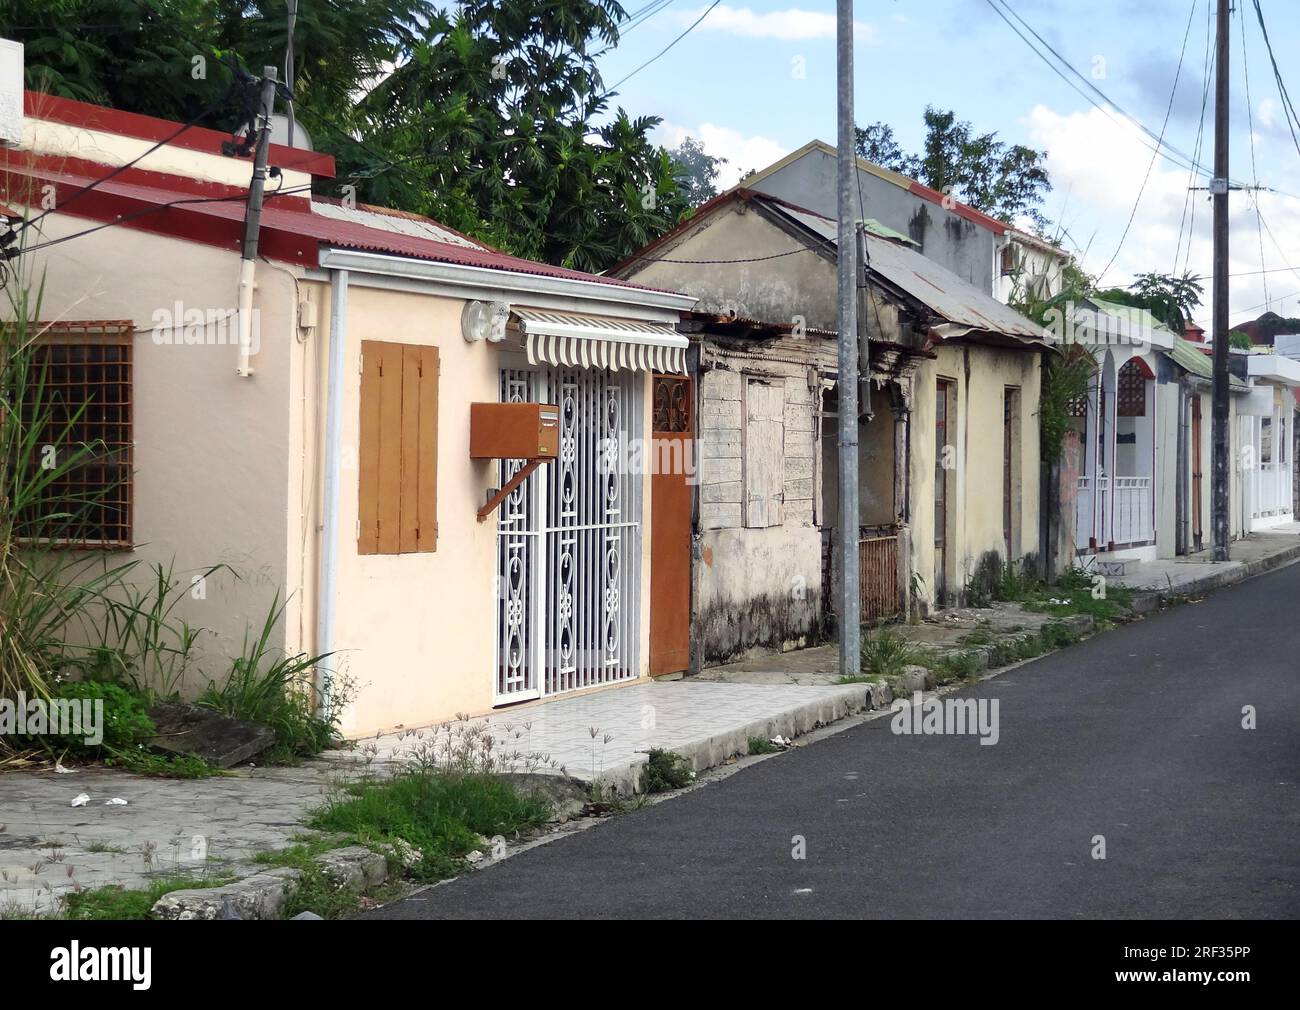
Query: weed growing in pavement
x: 886, y: 651
x: 665, y: 770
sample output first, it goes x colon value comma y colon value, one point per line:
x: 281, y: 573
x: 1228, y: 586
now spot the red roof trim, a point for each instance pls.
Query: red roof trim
x: 131, y: 124
x: 59, y: 165
x: 290, y: 232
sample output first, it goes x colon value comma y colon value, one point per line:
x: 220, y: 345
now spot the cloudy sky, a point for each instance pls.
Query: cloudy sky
x: 755, y: 80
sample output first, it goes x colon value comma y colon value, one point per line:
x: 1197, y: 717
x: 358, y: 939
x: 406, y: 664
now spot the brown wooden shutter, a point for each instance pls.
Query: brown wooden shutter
x: 427, y: 470
x: 398, y: 454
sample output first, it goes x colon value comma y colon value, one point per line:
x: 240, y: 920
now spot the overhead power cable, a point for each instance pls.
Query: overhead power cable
x: 134, y: 161
x: 143, y: 212
x: 1056, y: 62
x: 665, y: 49
x: 1254, y: 172
x: 1173, y: 91
x: 1188, y: 219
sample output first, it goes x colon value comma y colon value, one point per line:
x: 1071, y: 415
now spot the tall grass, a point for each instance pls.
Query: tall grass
x: 269, y: 686
x: 46, y: 596
x: 88, y: 614
x: 886, y: 651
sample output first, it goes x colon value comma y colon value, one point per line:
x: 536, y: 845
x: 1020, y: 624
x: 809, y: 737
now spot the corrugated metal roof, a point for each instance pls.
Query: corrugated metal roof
x: 1185, y: 355
x: 399, y: 223
x: 965, y: 307
x: 287, y: 226
x: 925, y: 192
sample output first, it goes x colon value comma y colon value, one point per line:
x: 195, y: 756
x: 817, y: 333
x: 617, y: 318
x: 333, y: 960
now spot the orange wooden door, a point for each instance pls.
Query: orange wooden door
x: 673, y: 457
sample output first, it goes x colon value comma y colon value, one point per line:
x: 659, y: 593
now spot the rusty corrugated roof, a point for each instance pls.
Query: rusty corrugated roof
x: 964, y: 307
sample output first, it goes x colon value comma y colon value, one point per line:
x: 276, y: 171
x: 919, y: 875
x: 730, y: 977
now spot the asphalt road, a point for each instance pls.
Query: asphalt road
x: 1135, y: 735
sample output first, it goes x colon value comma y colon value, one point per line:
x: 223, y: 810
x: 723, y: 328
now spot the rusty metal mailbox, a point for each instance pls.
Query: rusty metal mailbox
x: 514, y: 431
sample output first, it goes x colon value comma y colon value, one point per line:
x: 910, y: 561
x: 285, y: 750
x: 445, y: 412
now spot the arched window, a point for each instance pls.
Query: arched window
x: 1131, y: 388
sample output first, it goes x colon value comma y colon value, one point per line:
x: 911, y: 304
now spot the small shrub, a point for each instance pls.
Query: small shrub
x: 126, y: 722
x: 116, y: 902
x: 762, y: 745
x: 162, y: 766
x: 665, y: 770
x: 1056, y: 635
x: 957, y: 666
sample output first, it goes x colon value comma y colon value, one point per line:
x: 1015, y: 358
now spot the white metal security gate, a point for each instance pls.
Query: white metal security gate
x: 569, y: 540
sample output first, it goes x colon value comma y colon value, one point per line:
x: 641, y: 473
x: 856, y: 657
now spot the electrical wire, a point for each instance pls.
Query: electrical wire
x: 1166, y: 150
x: 1250, y: 131
x: 1173, y: 91
x: 1188, y: 202
x: 144, y: 212
x: 665, y: 49
x: 134, y: 161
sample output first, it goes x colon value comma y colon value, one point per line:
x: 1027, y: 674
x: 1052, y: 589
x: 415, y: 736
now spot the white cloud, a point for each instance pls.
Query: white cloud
x: 743, y: 153
x: 1097, y: 167
x: 1266, y: 111
x: 793, y: 24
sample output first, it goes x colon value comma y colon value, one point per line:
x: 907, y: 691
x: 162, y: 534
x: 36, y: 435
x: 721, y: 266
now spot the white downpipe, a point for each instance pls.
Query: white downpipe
x: 247, y: 269
x: 329, y: 548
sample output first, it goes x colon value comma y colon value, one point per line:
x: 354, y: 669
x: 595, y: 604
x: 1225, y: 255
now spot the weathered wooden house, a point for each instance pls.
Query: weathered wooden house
x: 948, y: 440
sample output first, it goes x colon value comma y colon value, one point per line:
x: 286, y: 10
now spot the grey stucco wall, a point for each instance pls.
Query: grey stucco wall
x: 944, y: 236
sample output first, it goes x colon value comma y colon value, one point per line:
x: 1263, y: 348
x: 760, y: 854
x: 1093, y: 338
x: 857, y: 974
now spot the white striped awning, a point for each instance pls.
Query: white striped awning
x: 579, y: 341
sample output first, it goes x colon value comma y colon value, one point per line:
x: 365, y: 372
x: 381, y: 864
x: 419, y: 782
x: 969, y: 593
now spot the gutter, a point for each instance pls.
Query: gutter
x: 327, y: 580
x: 495, y: 281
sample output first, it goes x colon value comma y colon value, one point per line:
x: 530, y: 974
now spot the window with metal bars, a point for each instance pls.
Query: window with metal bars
x: 79, y: 392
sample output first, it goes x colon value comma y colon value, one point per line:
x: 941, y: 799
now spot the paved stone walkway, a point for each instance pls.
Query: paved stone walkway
x: 200, y: 827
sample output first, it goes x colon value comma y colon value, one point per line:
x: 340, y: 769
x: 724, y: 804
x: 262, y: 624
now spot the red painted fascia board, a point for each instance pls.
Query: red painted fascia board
x: 289, y: 233
x: 212, y: 223
x: 132, y: 124
x: 49, y: 165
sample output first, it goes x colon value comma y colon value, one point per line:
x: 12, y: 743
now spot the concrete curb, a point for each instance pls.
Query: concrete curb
x: 264, y: 895
x: 1149, y: 601
x: 711, y: 751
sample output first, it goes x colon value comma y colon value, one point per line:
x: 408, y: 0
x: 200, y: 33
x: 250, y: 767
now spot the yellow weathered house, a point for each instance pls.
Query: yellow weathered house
x: 949, y: 434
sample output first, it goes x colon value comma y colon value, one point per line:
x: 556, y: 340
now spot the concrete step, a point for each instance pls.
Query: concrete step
x: 1116, y: 567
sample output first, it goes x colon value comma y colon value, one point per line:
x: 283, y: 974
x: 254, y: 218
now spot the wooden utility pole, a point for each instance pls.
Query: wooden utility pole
x: 1219, y: 188
x: 846, y: 256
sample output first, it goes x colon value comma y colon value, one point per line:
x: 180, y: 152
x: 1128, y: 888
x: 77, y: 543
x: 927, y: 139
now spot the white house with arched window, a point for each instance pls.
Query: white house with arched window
x: 1118, y: 424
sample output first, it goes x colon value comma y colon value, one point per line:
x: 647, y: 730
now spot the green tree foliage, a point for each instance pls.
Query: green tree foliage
x: 696, y: 170
x: 1068, y: 372
x: 489, y: 116
x: 1006, y: 181
x: 1170, y: 298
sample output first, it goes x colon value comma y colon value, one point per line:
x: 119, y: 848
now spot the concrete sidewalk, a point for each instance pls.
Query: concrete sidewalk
x: 603, y: 737
x: 212, y: 827
x: 1194, y: 574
